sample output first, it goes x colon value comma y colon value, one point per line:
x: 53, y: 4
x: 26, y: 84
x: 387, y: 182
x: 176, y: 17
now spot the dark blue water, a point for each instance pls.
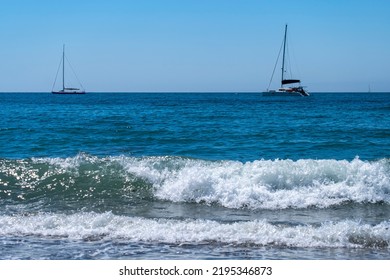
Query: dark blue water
x: 194, y: 176
x: 230, y: 126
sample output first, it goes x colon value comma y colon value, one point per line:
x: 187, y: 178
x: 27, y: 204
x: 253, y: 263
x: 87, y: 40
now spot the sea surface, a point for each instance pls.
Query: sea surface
x: 194, y: 176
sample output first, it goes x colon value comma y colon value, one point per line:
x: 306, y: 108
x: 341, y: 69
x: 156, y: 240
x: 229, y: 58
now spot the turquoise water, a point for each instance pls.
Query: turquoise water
x: 194, y: 176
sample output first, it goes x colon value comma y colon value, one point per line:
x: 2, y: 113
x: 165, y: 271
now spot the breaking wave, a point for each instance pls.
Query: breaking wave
x: 107, y: 226
x: 260, y: 184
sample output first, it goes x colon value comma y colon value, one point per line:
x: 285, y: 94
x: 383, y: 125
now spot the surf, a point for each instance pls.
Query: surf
x: 106, y: 226
x: 259, y: 184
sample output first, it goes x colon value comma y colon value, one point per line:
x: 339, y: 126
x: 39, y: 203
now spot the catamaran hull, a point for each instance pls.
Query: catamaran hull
x: 285, y: 93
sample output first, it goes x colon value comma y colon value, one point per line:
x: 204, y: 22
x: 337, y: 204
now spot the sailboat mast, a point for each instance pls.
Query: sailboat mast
x: 63, y: 67
x: 284, y: 53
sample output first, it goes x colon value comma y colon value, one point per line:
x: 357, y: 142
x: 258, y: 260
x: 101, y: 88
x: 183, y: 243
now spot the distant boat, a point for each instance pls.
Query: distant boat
x: 66, y: 90
x: 295, y: 90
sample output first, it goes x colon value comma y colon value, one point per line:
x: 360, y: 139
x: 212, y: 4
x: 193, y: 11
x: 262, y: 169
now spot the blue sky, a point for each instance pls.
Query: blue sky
x: 194, y: 45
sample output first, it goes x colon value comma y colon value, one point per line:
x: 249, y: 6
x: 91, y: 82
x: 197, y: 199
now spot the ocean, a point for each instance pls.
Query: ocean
x: 194, y: 176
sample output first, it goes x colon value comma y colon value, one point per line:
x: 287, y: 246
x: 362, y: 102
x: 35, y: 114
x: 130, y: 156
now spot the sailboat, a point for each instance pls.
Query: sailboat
x: 66, y: 90
x: 296, y: 89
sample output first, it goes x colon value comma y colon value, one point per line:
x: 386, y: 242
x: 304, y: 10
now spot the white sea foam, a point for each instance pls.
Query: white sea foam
x: 107, y: 226
x: 270, y: 184
x: 261, y: 184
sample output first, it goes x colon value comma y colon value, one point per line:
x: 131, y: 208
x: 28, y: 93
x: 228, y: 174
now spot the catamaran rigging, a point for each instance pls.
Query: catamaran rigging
x: 296, y: 90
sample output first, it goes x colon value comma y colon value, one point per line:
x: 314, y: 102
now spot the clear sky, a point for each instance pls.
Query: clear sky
x: 194, y: 45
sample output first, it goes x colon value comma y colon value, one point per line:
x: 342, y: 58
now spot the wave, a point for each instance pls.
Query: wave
x: 260, y: 184
x: 107, y: 226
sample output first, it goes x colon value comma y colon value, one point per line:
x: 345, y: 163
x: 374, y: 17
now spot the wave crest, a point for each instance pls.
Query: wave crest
x: 267, y: 184
x: 261, y: 184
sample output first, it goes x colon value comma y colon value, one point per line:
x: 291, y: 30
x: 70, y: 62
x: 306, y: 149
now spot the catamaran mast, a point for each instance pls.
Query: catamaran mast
x: 63, y: 67
x: 284, y: 53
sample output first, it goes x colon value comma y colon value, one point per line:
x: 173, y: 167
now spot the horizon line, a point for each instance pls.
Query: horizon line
x: 235, y: 92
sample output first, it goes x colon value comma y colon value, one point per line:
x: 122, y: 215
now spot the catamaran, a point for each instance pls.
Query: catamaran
x: 296, y: 89
x: 66, y: 90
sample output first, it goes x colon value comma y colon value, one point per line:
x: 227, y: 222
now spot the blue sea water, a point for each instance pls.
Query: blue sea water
x: 194, y: 176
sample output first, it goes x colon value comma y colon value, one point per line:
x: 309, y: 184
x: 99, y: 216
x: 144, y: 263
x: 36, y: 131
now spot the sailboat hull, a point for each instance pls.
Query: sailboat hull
x: 283, y: 92
x: 68, y: 92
